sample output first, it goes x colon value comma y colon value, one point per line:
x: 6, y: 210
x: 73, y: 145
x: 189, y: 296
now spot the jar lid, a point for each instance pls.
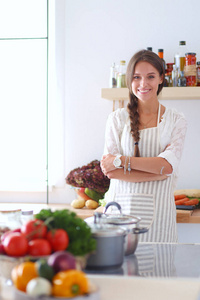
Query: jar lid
x: 182, y: 43
x: 27, y: 212
x: 10, y: 211
x: 190, y: 53
x: 198, y: 62
x: 160, y: 50
x: 122, y: 62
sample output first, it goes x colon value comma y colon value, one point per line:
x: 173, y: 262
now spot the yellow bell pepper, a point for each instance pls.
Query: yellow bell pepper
x: 70, y: 283
x: 22, y: 274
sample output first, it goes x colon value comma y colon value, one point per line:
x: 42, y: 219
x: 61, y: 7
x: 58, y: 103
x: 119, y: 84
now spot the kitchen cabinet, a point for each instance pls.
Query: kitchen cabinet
x: 121, y: 95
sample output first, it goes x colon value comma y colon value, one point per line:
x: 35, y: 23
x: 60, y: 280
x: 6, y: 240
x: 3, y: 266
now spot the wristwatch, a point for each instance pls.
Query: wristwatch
x: 117, y: 162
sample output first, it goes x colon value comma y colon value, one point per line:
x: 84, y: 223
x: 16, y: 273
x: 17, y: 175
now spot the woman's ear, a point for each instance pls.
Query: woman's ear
x: 161, y: 78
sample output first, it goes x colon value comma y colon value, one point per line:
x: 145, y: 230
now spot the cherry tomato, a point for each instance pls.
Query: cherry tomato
x: 39, y: 247
x: 15, y: 244
x: 34, y: 229
x: 58, y: 238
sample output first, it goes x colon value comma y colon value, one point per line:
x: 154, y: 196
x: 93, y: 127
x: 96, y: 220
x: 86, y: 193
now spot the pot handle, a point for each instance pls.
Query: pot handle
x: 114, y: 204
x: 138, y: 230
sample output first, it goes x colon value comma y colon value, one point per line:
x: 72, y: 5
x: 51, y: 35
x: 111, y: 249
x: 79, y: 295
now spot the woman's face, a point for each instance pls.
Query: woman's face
x: 146, y: 79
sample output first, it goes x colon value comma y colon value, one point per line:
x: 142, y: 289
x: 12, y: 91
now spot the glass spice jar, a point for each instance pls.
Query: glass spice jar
x: 190, y: 68
x: 198, y: 73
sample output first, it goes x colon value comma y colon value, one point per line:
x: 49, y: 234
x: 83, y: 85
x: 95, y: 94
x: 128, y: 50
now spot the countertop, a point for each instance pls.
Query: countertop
x: 183, y: 216
x: 166, y: 260
x: 156, y: 271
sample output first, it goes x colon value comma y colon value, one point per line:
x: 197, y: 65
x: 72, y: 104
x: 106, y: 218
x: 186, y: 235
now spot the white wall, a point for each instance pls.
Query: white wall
x: 98, y: 33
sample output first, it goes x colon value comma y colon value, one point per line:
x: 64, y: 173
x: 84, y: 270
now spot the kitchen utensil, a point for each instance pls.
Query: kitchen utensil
x: 186, y: 207
x: 129, y: 223
x: 110, y: 244
x: 126, y: 222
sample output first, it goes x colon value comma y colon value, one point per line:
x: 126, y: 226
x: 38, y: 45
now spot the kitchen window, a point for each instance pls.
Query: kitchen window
x: 24, y: 100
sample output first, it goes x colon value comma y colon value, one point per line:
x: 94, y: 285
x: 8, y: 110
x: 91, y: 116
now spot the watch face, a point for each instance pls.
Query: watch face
x: 117, y: 162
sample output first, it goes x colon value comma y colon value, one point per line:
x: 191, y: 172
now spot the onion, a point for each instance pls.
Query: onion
x: 61, y: 261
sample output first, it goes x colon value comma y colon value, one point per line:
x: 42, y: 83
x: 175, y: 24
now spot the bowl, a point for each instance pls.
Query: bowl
x: 92, y: 295
x: 7, y: 263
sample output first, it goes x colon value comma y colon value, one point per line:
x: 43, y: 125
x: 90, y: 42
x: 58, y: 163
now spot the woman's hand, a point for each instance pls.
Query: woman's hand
x: 107, y: 163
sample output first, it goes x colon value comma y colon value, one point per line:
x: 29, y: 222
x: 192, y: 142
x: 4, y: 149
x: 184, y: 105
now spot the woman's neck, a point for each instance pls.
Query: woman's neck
x: 148, y: 108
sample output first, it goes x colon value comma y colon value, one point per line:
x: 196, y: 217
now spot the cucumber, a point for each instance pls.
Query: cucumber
x: 93, y: 194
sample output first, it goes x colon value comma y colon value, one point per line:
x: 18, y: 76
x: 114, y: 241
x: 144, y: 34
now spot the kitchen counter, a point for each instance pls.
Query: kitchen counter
x: 166, y: 260
x: 156, y: 271
x: 183, y: 216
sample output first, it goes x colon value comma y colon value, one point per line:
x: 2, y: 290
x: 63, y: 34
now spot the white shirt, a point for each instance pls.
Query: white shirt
x: 172, y: 128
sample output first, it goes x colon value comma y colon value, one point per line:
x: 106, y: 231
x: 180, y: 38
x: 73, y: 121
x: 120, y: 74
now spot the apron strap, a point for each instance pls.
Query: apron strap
x: 158, y: 120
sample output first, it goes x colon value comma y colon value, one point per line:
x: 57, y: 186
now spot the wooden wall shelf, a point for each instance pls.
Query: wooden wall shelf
x: 168, y: 93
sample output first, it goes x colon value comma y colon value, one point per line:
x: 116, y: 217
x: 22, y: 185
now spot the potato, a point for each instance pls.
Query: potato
x: 78, y: 203
x: 91, y: 204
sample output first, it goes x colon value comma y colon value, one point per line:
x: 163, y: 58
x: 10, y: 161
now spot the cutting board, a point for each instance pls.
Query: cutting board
x: 183, y: 216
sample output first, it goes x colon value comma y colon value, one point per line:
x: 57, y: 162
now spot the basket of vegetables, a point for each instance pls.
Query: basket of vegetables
x: 90, y: 185
x: 49, y: 232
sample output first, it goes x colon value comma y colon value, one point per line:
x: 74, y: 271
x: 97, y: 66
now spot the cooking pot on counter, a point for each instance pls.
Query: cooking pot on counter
x: 109, y: 252
x: 126, y: 222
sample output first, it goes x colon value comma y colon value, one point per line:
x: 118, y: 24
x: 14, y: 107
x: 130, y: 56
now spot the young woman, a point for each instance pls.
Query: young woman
x: 143, y: 147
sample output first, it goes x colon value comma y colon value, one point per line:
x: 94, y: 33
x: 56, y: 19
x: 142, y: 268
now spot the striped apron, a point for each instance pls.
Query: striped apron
x: 152, y: 201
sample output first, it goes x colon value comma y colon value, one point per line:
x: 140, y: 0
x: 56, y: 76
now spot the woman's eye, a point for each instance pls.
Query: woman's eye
x: 151, y: 77
x: 135, y: 77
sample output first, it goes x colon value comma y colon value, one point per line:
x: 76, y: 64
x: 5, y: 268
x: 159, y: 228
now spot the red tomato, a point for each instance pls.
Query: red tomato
x: 15, y: 244
x: 2, y: 250
x: 34, y: 229
x: 8, y: 232
x: 39, y: 247
x: 58, y: 238
x: 5, y: 234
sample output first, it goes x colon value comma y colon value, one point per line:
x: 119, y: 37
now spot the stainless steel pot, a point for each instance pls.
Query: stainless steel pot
x: 110, y: 245
x: 125, y: 222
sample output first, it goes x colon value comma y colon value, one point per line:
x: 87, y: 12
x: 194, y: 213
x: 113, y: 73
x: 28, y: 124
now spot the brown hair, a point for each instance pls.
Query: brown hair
x: 156, y: 62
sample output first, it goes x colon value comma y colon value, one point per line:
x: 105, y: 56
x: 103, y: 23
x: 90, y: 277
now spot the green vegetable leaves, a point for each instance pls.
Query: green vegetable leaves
x: 80, y: 238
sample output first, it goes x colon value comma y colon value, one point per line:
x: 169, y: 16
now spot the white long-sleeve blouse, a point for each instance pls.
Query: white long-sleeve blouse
x: 172, y: 128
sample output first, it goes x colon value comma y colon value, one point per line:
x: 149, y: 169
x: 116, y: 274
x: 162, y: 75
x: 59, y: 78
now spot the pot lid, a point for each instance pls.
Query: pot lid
x: 121, y: 219
x: 100, y: 227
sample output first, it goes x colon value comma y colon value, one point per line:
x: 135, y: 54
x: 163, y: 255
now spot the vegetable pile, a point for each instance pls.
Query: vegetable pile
x: 47, y: 233
x: 90, y: 183
x: 89, y: 176
x: 183, y: 199
x: 57, y: 276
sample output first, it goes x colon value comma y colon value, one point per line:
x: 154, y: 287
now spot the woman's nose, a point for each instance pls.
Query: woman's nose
x: 143, y: 82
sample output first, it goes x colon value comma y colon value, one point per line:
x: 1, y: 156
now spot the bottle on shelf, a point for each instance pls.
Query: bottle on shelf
x: 161, y: 55
x: 121, y: 75
x: 179, y: 58
x: 181, y: 79
x: 190, y: 68
x: 198, y: 73
x: 113, y: 76
x: 175, y: 76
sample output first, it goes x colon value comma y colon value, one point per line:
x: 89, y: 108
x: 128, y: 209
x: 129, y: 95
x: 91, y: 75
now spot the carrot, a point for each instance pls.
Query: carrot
x: 182, y: 201
x: 178, y: 197
x: 192, y: 202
